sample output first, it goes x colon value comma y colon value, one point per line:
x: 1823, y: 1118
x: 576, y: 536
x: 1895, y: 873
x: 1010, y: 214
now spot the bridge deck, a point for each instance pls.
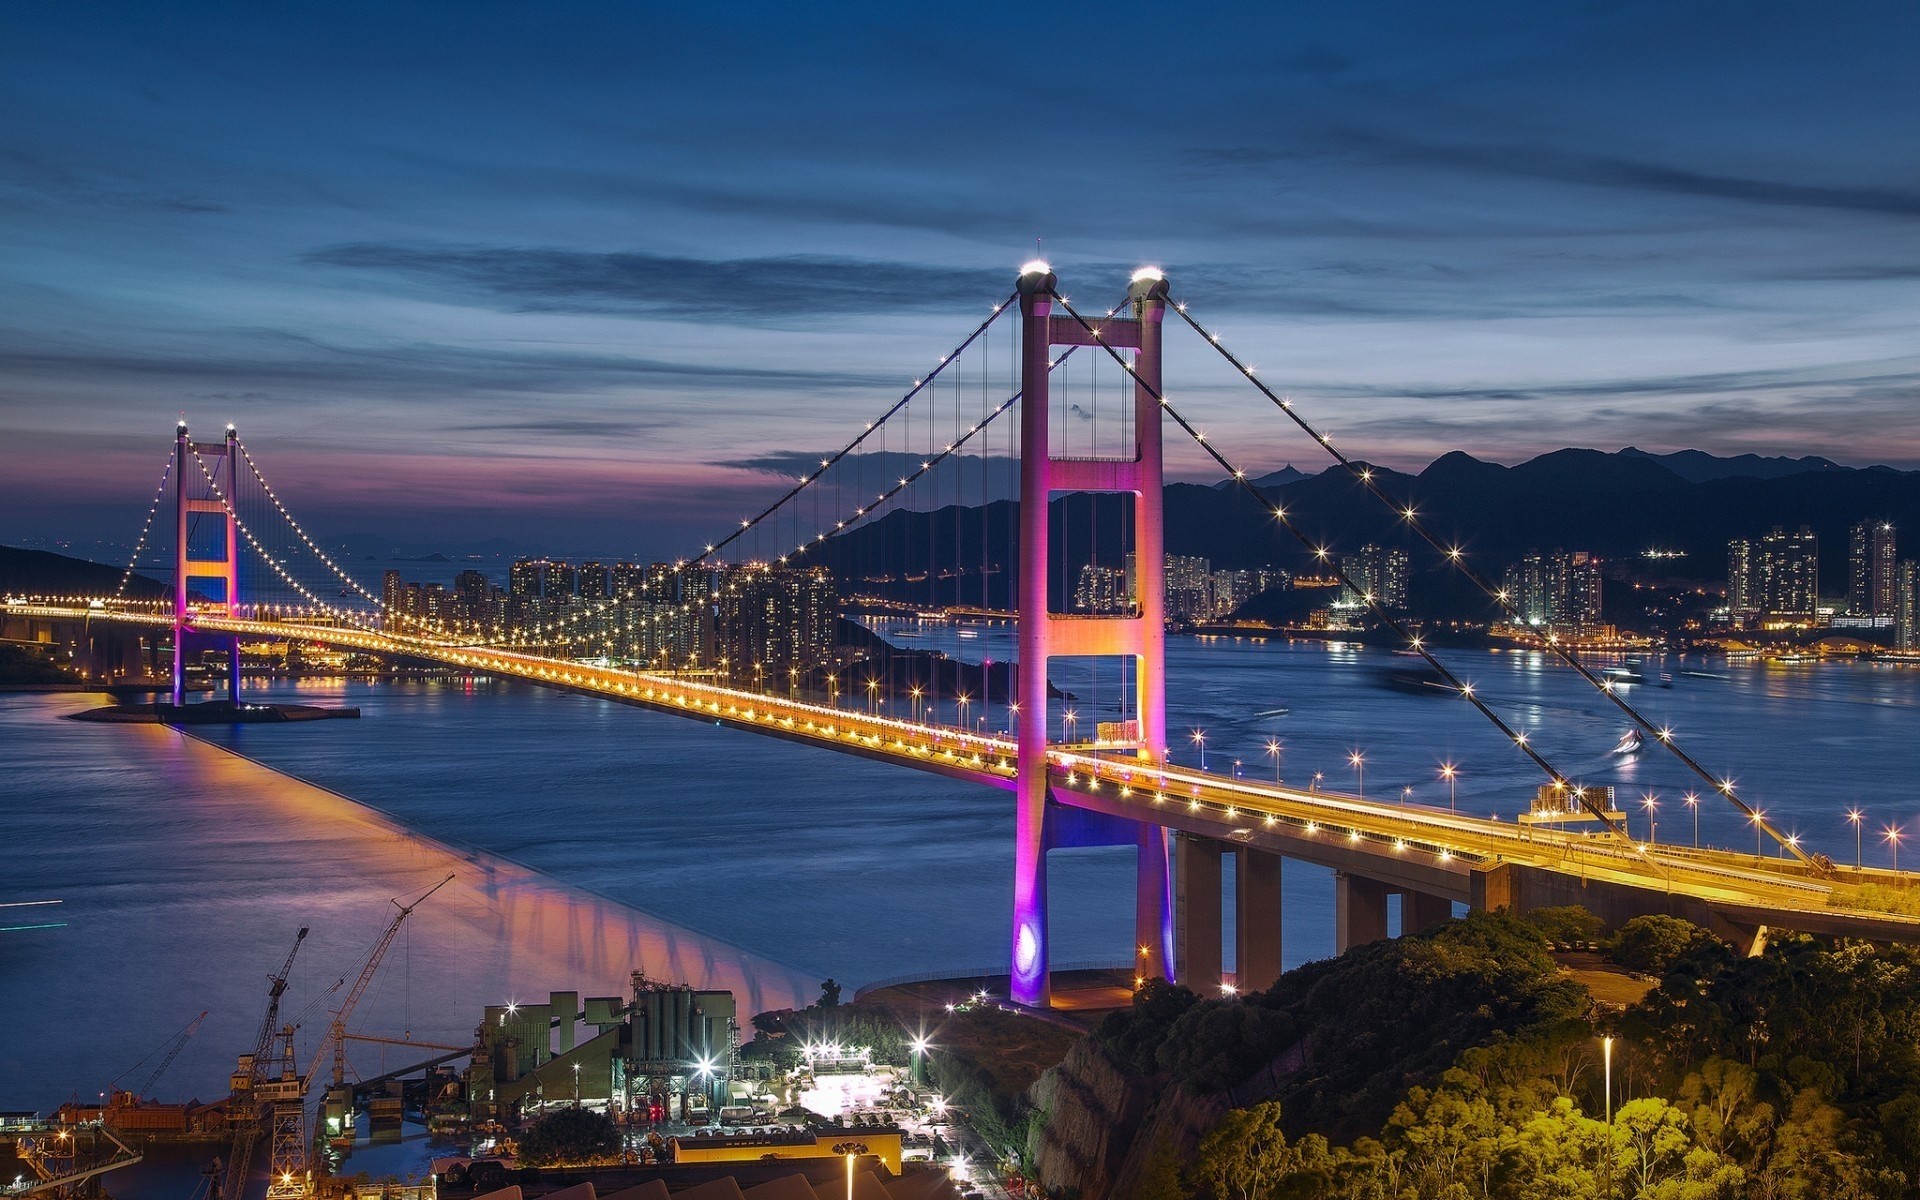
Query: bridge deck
x: 1426, y: 849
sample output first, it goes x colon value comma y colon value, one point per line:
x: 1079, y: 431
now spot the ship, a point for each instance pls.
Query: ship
x: 1629, y: 744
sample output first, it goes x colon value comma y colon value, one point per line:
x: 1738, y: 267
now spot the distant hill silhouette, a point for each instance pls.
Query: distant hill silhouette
x: 1617, y: 505
x: 40, y: 572
x: 1697, y: 466
x: 1285, y: 475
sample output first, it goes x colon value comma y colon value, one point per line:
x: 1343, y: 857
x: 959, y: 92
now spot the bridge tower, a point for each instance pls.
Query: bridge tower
x: 187, y: 568
x: 1044, y: 634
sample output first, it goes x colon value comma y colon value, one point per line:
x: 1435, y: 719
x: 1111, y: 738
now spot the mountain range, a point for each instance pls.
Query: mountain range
x: 1617, y: 505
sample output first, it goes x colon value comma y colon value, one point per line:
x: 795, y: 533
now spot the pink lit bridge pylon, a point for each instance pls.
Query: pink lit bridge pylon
x: 1118, y: 788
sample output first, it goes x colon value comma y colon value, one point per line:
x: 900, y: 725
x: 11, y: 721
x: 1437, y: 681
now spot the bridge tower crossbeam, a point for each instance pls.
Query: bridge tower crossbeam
x: 1140, y: 635
x: 187, y: 568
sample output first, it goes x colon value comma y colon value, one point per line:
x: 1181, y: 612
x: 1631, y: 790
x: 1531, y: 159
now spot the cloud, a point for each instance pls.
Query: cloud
x: 1570, y: 166
x: 788, y: 288
x: 279, y: 359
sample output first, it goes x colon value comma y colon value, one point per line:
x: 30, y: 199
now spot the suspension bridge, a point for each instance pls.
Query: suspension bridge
x: 1121, y: 788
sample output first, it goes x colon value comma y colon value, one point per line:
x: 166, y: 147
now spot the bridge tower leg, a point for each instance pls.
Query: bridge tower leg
x: 187, y: 568
x: 1140, y: 634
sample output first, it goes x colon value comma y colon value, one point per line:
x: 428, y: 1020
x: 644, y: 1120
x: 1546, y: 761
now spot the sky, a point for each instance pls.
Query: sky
x: 564, y: 273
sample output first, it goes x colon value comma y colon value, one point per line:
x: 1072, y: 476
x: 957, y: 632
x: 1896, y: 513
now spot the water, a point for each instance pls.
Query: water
x: 590, y: 838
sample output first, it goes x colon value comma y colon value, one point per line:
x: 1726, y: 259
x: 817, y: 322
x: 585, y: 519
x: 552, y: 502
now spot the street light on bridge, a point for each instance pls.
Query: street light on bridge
x: 1359, y: 763
x: 1759, y: 816
x: 1652, y: 805
x: 1856, y: 816
x: 916, y: 693
x: 1892, y: 836
x: 1449, y: 772
x: 1069, y: 720
x: 1693, y: 802
x: 1274, y: 751
x: 961, y: 701
x: 1199, y: 738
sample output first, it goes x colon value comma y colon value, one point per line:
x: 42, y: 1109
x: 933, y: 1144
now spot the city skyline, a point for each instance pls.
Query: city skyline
x: 409, y: 249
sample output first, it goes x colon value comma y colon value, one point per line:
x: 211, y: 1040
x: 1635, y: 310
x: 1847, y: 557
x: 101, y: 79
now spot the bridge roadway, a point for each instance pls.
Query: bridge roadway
x: 1411, y: 849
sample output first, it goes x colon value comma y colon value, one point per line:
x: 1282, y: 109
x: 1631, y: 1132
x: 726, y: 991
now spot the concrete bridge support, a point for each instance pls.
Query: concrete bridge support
x: 1196, y: 913
x: 1359, y: 911
x: 1256, y: 929
x: 1421, y: 911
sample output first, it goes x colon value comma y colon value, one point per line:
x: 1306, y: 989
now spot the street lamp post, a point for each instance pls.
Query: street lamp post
x: 1406, y: 794
x: 1319, y: 777
x: 1651, y: 804
x: 1274, y: 750
x: 1199, y: 738
x: 1693, y: 802
x: 916, y: 693
x: 1068, y: 721
x: 1606, y: 1055
x: 961, y: 701
x: 1757, y: 817
x: 1893, y: 838
x: 1449, y: 773
x: 1855, y: 815
x: 1359, y: 763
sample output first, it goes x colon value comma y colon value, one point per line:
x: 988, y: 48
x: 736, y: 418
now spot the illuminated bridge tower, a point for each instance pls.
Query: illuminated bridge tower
x: 1045, y: 634
x: 187, y: 569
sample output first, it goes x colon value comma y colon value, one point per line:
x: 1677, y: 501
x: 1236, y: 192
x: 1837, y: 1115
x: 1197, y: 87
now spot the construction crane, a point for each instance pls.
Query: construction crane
x: 288, y: 1175
x: 337, y: 1030
x: 248, y: 1075
x: 168, y: 1051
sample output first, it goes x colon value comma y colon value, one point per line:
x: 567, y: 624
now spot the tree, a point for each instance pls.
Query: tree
x: 1654, y: 943
x: 1566, y: 923
x: 829, y: 994
x: 570, y: 1137
x: 1246, y: 1156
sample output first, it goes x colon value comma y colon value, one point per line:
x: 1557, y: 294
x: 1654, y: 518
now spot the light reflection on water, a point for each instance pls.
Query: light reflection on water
x: 765, y: 866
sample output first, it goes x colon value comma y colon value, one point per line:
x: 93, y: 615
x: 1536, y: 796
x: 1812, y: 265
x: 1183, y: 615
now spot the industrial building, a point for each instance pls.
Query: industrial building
x: 664, y: 1053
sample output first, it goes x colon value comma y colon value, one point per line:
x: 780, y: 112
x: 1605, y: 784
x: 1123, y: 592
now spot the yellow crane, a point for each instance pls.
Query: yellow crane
x: 288, y: 1177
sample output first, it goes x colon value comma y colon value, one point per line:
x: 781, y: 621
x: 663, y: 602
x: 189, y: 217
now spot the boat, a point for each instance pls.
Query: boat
x: 1622, y: 675
x: 1629, y: 743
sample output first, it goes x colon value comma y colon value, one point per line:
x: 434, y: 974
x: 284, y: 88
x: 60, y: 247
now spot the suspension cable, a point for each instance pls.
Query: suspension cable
x: 749, y: 524
x: 302, y: 534
x: 1500, y: 596
x: 146, y: 527
x: 1466, y: 691
x: 348, y: 616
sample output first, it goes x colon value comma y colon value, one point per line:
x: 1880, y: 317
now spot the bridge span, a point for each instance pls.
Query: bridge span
x: 1182, y: 824
x: 1431, y: 858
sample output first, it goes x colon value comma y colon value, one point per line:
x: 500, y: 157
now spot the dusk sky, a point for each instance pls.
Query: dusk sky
x: 550, y: 272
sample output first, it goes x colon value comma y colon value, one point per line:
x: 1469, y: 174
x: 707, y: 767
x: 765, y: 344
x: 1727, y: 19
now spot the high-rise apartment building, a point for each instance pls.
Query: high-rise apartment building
x: 774, y: 624
x: 1380, y: 573
x: 1906, y: 606
x: 1561, y: 590
x: 1102, y: 590
x: 1741, y: 597
x: 1787, y: 573
x: 596, y: 581
x: 1871, y: 589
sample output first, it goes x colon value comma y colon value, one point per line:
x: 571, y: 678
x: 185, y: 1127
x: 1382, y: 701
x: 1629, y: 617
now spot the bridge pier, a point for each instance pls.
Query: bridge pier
x: 1256, y: 928
x: 1197, y: 917
x: 1421, y: 911
x: 1359, y: 911
x: 1153, y: 926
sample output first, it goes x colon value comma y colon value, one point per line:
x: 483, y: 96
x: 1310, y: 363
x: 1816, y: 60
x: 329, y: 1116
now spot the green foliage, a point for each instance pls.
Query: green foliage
x: 1133, y: 1037
x: 1792, y: 1076
x: 1878, y: 897
x: 1566, y: 923
x: 570, y: 1137
x: 1654, y: 943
